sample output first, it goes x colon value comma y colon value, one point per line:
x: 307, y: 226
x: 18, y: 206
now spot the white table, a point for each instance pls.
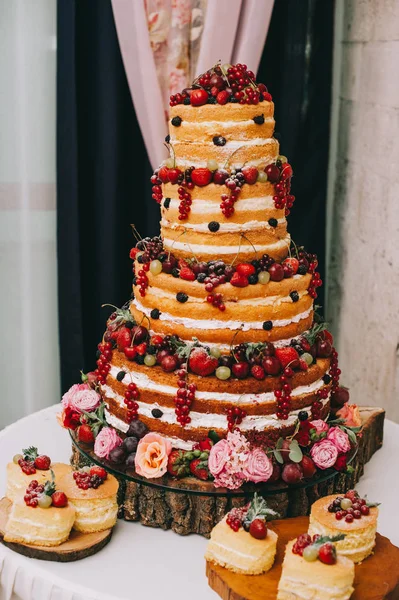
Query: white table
x: 141, y: 562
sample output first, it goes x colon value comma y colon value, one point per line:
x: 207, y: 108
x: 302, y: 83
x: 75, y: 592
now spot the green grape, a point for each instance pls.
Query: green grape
x: 282, y: 158
x: 44, y: 501
x: 223, y: 373
x: 262, y: 177
x: 215, y: 352
x: 310, y: 553
x: 212, y: 164
x: 170, y: 163
x: 346, y: 503
x: 264, y: 277
x: 156, y: 267
x: 16, y: 458
x: 150, y: 360
x: 308, y: 358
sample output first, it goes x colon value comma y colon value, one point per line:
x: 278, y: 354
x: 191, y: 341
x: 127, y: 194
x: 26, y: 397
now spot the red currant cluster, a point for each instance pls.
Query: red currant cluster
x: 349, y: 507
x: 217, y: 301
x: 103, y: 362
x: 131, y: 395
x: 92, y: 478
x: 185, y: 203
x: 242, y: 85
x: 184, y: 398
x: 314, y: 284
x: 142, y: 279
x: 27, y: 466
x: 234, y: 417
x: 283, y: 395
x: 178, y: 98
x: 317, y: 404
x: 33, y: 491
x: 302, y: 542
x: 235, y: 518
x: 156, y: 188
x: 280, y: 175
x: 234, y: 183
x: 334, y: 371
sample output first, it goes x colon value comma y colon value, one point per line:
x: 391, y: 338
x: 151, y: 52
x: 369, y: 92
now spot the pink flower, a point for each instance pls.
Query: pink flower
x: 340, y: 439
x: 218, y: 457
x: 350, y: 414
x: 324, y: 454
x: 106, y: 441
x: 152, y: 455
x: 81, y: 398
x: 319, y: 425
x: 258, y: 467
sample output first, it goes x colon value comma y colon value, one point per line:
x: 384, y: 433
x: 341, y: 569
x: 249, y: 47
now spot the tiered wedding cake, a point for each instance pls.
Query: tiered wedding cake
x: 221, y: 331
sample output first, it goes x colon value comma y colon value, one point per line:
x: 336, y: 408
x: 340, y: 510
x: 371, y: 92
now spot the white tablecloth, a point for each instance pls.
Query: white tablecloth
x: 141, y: 562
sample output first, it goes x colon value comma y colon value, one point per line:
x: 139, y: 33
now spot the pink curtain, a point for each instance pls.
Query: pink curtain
x: 165, y: 43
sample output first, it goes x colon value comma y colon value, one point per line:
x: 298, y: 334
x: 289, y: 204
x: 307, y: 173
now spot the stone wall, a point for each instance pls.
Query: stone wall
x: 363, y: 267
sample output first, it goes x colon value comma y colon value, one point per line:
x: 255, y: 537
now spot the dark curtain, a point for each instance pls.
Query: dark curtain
x: 103, y: 171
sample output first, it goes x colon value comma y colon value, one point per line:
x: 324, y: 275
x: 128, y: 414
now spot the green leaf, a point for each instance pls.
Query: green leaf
x: 325, y: 538
x: 279, y: 443
x: 30, y: 453
x: 83, y: 377
x: 350, y: 433
x: 349, y: 469
x: 258, y: 509
x: 213, y: 436
x: 312, y: 334
x: 372, y: 504
x: 277, y: 456
x: 295, y: 453
x: 49, y: 486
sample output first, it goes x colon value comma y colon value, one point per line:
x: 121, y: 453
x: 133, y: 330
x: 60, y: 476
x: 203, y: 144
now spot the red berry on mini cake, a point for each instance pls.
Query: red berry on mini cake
x: 201, y: 363
x: 43, y: 462
x: 198, y: 97
x: 59, y: 499
x: 258, y: 529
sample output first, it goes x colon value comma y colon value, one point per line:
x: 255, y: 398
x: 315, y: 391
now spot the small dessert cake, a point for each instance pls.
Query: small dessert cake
x: 312, y: 569
x: 42, y: 518
x: 31, y: 466
x: 92, y: 492
x: 351, y: 515
x: 242, y: 542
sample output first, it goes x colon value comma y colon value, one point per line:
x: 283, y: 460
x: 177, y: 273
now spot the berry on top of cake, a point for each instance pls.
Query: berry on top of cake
x: 28, y: 466
x: 242, y: 541
x: 350, y: 514
x: 42, y: 518
x: 92, y: 492
x: 312, y: 569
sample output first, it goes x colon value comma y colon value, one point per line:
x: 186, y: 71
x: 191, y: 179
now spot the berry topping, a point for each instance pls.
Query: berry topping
x: 213, y: 226
x: 294, y: 296
x: 187, y: 274
x: 198, y: 97
x: 90, y: 477
x: 273, y: 222
x: 154, y: 314
x: 287, y: 356
x: 59, y: 499
x: 219, y: 140
x: 181, y: 297
x: 199, y: 468
x: 220, y: 176
x: 156, y: 413
x: 201, y: 363
x: 250, y: 174
x: 222, y: 97
x: 258, y: 529
x: 201, y: 176
x: 121, y: 375
x: 43, y: 462
x: 267, y: 325
x: 176, y: 121
x: 166, y: 203
x: 137, y: 429
x: 239, y: 280
x: 259, y: 119
x: 328, y: 554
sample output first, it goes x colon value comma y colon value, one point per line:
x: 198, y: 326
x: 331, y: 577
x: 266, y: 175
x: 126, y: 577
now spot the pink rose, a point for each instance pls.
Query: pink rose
x: 319, y: 425
x: 218, y: 457
x: 259, y: 467
x: 81, y: 398
x: 106, y: 441
x: 340, y: 439
x: 324, y: 454
x: 350, y: 414
x: 152, y: 455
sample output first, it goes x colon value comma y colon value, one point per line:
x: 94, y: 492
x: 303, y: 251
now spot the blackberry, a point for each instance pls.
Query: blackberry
x: 151, y: 350
x: 234, y: 100
x: 167, y: 139
x: 181, y: 297
x: 252, y: 279
x: 139, y: 359
x: 261, y: 97
x: 259, y: 119
x: 267, y: 325
x: 326, y: 378
x: 201, y: 277
x: 294, y: 296
x: 303, y: 415
x: 166, y: 203
x: 213, y: 226
x: 186, y: 101
x: 121, y: 375
x: 219, y: 140
x: 273, y: 222
x: 157, y: 413
x: 95, y: 481
x: 175, y: 272
x: 176, y: 121
x: 265, y: 262
x: 302, y: 270
x: 129, y: 324
x: 211, y: 100
x: 155, y: 313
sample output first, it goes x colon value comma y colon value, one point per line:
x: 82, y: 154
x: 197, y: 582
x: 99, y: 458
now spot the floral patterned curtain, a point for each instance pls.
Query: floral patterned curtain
x: 175, y: 29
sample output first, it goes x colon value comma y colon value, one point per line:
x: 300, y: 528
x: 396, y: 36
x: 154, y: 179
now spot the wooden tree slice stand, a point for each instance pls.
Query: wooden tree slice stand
x: 187, y: 513
x: 78, y: 546
x: 375, y: 579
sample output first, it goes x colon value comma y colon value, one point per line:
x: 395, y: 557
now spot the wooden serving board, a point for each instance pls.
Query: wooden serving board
x: 377, y: 578
x: 78, y: 546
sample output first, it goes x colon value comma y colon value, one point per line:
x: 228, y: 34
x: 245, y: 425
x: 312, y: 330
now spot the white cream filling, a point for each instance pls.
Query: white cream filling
x: 206, y: 420
x: 233, y: 163
x: 277, y: 344
x: 209, y: 324
x: 220, y: 250
x: 219, y: 124
x: 203, y: 206
x: 338, y: 592
x: 31, y: 523
x: 351, y: 538
x: 145, y: 383
x: 229, y: 143
x: 224, y: 227
x: 104, y: 516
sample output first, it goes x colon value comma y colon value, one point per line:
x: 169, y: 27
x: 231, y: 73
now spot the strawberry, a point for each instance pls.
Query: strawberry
x: 133, y: 253
x: 239, y: 280
x: 99, y: 471
x: 187, y: 274
x: 222, y: 97
x: 293, y: 263
x: 59, y: 499
x: 199, y: 468
x: 177, y: 465
x: 287, y: 356
x: 245, y: 269
x: 205, y: 444
x: 250, y: 174
x: 141, y: 349
x: 201, y: 363
x: 328, y: 554
x: 43, y: 462
x: 130, y: 352
x: 173, y: 175
x: 85, y: 434
x: 198, y: 97
x: 201, y: 176
x: 163, y: 174
x: 124, y: 338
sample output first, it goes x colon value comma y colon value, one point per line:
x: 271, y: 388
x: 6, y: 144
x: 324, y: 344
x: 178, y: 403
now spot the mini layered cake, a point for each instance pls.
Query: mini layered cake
x: 315, y: 570
x: 42, y: 518
x: 351, y: 515
x: 92, y: 493
x: 242, y: 542
x: 28, y: 467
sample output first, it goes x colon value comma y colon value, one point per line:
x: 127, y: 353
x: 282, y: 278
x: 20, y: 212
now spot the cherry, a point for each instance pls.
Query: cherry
x: 271, y: 365
x: 276, y: 272
x: 130, y: 352
x: 198, y: 97
x: 161, y: 355
x: 163, y: 174
x: 240, y: 369
x: 364, y: 510
x: 258, y: 529
x: 323, y: 348
x: 169, y: 363
x: 340, y: 396
x: 139, y: 334
x: 220, y: 176
x: 273, y: 173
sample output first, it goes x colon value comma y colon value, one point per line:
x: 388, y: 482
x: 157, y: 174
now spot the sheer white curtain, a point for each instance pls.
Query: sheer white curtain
x: 29, y: 369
